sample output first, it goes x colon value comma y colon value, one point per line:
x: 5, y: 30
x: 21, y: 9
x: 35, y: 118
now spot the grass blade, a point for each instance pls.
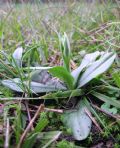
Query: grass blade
x: 106, y: 99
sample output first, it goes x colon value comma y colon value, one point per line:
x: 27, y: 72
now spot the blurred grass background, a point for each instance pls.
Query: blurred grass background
x: 90, y: 25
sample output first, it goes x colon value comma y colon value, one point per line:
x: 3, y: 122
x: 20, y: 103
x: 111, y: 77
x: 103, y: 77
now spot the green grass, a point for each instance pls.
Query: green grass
x: 90, y: 27
x: 37, y: 24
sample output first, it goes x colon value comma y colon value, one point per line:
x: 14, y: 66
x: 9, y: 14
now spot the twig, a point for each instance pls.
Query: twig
x: 93, y: 119
x: 40, y: 109
x: 107, y: 113
x: 113, y: 123
x: 49, y: 109
x: 18, y: 98
x: 7, y: 131
x: 54, y: 110
x: 28, y: 113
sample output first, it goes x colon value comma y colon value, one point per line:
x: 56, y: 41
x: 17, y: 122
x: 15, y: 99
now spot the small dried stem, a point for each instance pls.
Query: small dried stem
x: 17, y: 99
x: 49, y: 109
x: 93, y: 119
x: 40, y: 109
x: 54, y: 110
x: 7, y: 131
x: 28, y: 113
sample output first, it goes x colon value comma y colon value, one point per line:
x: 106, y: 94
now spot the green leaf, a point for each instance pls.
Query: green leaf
x: 13, y: 84
x: 41, y: 81
x: 107, y: 99
x: 87, y: 60
x: 51, y: 87
x: 17, y: 55
x: 116, y: 77
x: 107, y: 108
x: 35, y: 87
x: 65, y: 49
x: 30, y: 141
x: 96, y: 68
x: 66, y: 63
x: 63, y: 94
x: 78, y: 121
x: 62, y: 74
x: 41, y: 124
x: 113, y: 88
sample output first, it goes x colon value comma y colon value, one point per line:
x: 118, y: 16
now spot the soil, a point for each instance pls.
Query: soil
x: 97, y: 142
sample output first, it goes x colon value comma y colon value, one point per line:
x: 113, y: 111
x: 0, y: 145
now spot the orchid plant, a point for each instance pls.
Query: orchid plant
x: 70, y: 83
